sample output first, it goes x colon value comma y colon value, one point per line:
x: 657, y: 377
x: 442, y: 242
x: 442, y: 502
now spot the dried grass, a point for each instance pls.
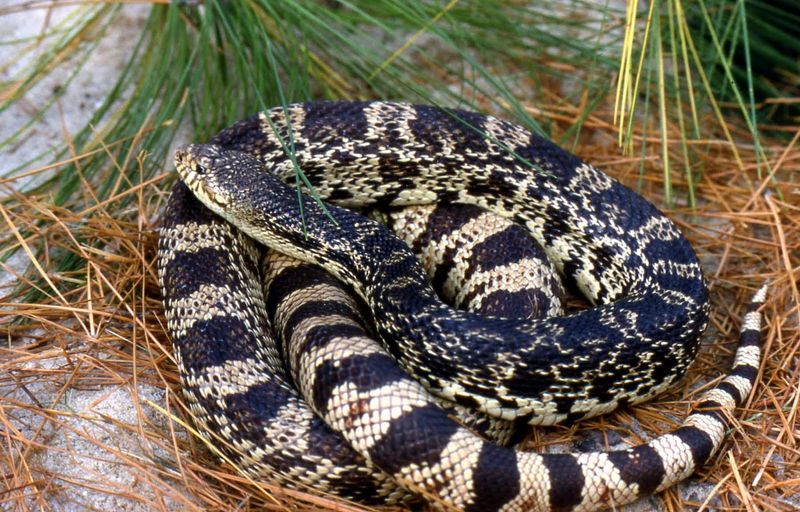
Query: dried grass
x: 106, y: 336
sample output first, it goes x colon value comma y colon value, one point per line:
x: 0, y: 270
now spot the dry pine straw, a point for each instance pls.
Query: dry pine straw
x: 102, y: 328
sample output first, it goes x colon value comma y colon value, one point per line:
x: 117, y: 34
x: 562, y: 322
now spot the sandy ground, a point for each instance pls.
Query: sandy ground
x: 79, y: 474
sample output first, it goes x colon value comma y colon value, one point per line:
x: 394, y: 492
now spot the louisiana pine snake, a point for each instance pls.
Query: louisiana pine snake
x: 623, y: 255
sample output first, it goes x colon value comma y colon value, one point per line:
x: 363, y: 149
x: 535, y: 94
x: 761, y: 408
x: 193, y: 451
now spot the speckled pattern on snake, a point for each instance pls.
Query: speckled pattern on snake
x: 327, y: 402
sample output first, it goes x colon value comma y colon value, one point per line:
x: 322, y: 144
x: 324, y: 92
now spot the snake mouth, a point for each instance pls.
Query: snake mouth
x: 187, y: 167
x: 195, y: 165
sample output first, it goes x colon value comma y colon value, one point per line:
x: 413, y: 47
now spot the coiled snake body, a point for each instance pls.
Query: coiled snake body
x: 624, y: 256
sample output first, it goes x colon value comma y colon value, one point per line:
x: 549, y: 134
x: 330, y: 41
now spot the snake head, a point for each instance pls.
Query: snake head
x: 204, y: 167
x: 233, y: 184
x: 238, y: 186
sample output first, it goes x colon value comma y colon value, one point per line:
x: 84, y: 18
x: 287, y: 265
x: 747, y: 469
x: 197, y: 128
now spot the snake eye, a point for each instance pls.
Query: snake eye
x: 199, y: 168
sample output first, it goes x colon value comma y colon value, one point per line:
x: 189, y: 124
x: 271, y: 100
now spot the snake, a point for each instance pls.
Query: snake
x: 329, y: 404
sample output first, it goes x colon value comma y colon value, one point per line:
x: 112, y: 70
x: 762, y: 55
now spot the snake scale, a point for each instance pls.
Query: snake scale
x: 362, y: 428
